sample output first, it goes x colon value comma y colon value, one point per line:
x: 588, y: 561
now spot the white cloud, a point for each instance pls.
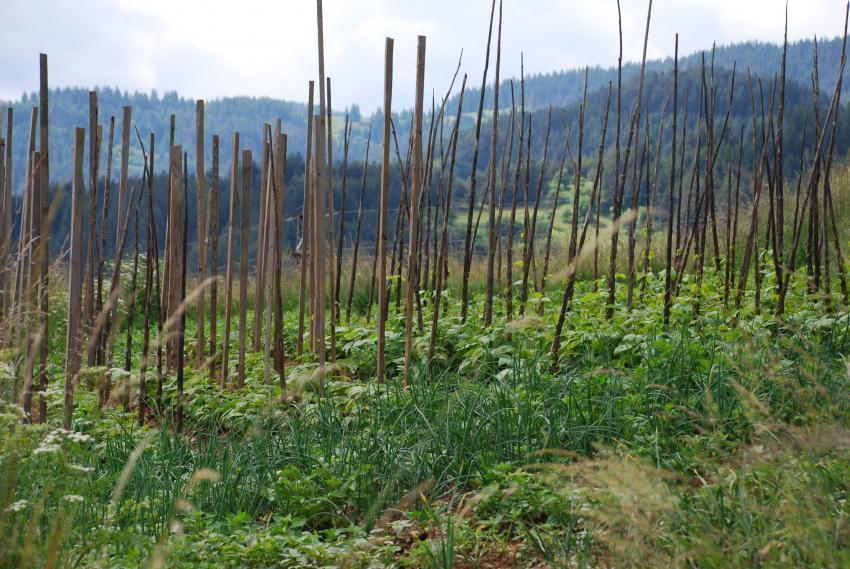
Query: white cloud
x: 214, y: 48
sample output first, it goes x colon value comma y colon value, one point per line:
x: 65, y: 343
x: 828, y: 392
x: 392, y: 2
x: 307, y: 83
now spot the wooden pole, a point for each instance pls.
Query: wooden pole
x: 531, y: 229
x: 245, y: 215
x: 123, y: 208
x: 89, y: 308
x: 305, y: 224
x: 267, y: 196
x: 104, y: 227
x: 416, y: 180
x: 43, y: 249
x: 213, y: 232
x: 181, y: 338
x: 331, y: 242
x: 262, y: 227
x: 6, y: 243
x: 175, y: 231
x: 201, y: 225
x: 75, y: 290
x: 509, y: 253
x: 668, y: 282
x: 27, y: 299
x: 473, y: 177
x: 231, y: 234
x: 491, y: 185
x: 277, y: 296
x: 131, y: 307
x: 382, y: 217
x: 320, y: 241
x: 5, y: 230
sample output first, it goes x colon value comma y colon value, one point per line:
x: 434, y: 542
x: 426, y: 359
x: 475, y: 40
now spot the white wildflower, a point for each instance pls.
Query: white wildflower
x: 17, y: 506
x: 46, y: 448
x: 74, y: 498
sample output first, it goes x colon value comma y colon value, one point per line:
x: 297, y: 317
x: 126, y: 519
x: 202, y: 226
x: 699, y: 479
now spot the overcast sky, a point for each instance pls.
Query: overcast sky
x: 215, y: 48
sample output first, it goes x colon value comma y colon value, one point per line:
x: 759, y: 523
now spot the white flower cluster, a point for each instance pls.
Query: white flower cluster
x: 74, y: 498
x: 17, y: 506
x: 53, y: 439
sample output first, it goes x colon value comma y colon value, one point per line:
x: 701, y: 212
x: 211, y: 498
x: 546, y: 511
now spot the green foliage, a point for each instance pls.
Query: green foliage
x: 712, y: 441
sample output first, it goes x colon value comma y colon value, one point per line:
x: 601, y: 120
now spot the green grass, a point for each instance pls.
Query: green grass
x: 711, y: 444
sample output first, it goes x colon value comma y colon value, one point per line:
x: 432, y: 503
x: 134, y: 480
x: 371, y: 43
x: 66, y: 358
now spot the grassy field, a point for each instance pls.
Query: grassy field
x: 723, y: 442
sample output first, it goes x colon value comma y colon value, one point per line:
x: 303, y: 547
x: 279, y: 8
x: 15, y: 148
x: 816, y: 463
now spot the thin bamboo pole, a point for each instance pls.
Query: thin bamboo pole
x: 491, y: 185
x: 509, y: 285
x: 530, y: 234
x: 668, y: 281
x: 473, y: 175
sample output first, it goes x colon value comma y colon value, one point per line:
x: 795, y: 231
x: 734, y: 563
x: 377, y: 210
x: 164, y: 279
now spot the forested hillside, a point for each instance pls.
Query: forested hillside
x: 755, y: 90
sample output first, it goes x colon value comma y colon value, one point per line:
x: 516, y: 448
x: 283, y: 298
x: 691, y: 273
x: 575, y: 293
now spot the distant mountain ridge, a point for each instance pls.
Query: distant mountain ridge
x: 562, y: 90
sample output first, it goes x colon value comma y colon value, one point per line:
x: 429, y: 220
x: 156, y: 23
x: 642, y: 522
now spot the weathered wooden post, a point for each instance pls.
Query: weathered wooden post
x: 213, y: 232
x: 320, y: 232
x: 305, y: 225
x: 94, y: 154
x: 262, y: 236
x: 75, y: 274
x: 4, y: 232
x: 416, y: 180
x: 201, y: 228
x: 245, y: 215
x: 277, y: 306
x: 6, y: 236
x: 231, y: 234
x: 43, y: 250
x: 123, y: 207
x: 381, y: 253
x: 174, y: 268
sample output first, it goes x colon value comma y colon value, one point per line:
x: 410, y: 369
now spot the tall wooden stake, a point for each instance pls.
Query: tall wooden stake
x: 75, y: 285
x: 245, y: 216
x: 416, y: 179
x: 381, y: 252
x: 231, y: 234
x: 201, y: 229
